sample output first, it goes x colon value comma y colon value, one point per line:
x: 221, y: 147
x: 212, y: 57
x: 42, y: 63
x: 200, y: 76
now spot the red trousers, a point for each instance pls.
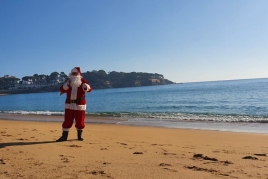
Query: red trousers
x: 69, y: 117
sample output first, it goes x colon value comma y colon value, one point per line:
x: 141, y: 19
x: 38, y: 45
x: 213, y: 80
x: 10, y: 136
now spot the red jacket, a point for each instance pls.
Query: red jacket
x: 76, y: 97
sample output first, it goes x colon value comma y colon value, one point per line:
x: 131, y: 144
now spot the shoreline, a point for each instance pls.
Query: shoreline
x: 28, y: 150
x: 238, y: 127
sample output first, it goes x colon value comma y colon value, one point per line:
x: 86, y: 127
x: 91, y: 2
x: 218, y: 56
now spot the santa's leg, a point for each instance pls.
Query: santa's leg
x: 80, y: 123
x: 63, y: 137
x: 67, y: 124
x: 79, y: 134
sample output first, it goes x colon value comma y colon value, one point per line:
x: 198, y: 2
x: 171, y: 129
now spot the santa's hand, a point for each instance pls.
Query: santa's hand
x: 66, y: 85
x: 86, y: 87
x: 69, y: 83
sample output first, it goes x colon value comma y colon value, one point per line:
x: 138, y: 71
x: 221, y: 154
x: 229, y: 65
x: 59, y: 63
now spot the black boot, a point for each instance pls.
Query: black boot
x: 63, y: 137
x: 79, y: 134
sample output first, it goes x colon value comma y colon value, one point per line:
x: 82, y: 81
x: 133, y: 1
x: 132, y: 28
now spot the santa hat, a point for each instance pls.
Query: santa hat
x: 77, y: 70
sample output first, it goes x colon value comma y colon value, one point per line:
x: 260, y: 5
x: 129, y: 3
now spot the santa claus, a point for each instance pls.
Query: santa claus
x: 75, y: 105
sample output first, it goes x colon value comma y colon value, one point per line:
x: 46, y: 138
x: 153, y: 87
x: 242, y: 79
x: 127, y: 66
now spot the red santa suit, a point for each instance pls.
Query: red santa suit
x: 75, y: 104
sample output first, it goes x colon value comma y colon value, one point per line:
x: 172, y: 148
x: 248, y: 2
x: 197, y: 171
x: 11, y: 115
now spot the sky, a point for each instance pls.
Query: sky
x: 184, y: 40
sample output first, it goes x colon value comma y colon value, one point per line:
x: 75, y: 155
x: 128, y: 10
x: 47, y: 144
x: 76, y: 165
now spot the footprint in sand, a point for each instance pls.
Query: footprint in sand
x: 22, y: 139
x: 197, y: 156
x: 264, y: 155
x: 137, y: 153
x: 100, y: 172
x: 200, y: 169
x: 97, y: 172
x: 250, y: 157
x: 164, y: 164
x: 65, y: 158
x: 227, y: 162
x: 171, y: 170
x: 74, y: 145
x: 2, y: 161
x: 200, y: 156
x: 7, y: 135
x: 106, y: 163
x: 229, y: 151
x: 166, y: 153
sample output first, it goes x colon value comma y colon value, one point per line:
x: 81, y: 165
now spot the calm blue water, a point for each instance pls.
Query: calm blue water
x: 241, y: 101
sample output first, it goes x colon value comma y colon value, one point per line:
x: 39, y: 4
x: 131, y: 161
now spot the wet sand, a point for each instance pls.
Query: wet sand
x: 28, y: 150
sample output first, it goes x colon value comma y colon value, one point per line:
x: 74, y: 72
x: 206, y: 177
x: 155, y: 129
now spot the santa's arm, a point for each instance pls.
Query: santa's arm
x: 86, y: 87
x: 64, y: 87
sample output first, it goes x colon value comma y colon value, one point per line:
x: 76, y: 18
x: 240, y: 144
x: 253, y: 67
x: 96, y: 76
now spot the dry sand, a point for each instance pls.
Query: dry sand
x: 28, y: 150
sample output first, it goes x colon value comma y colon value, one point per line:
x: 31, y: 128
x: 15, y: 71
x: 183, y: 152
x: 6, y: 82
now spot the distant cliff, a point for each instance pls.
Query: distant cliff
x: 101, y: 80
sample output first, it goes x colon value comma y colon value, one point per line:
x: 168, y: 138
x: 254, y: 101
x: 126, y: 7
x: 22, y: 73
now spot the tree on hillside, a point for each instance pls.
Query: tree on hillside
x: 12, y: 81
x: 26, y: 78
x: 2, y: 83
x: 42, y: 78
x: 5, y: 83
x: 62, y: 74
x: 48, y: 79
x: 36, y: 78
x: 98, y: 79
x: 54, y: 75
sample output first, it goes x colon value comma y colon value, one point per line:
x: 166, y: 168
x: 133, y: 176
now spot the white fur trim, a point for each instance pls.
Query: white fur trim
x: 65, y: 129
x: 65, y: 86
x: 74, y: 93
x: 74, y: 106
x: 74, y: 70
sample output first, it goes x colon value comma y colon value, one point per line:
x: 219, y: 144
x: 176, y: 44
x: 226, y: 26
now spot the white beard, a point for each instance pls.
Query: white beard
x: 75, y: 81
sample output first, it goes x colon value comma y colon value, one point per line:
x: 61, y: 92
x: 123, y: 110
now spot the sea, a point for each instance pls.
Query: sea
x: 232, y: 105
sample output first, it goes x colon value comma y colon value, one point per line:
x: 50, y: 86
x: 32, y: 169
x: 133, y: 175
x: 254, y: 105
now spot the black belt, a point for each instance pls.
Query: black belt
x: 75, y: 101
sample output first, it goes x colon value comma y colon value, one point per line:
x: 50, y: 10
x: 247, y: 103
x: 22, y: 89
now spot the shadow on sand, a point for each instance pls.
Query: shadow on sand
x: 3, y: 145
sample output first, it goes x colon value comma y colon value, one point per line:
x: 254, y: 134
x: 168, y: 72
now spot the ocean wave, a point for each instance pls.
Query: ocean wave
x: 48, y: 113
x: 175, y: 117
x: 158, y: 117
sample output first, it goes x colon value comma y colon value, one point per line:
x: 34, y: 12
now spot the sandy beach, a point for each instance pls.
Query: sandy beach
x: 28, y: 150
